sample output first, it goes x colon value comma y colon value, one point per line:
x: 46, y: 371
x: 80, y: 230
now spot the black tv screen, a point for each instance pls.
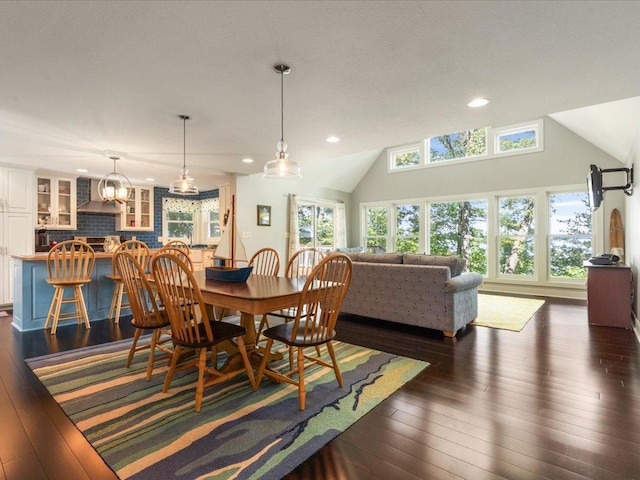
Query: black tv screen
x: 594, y: 187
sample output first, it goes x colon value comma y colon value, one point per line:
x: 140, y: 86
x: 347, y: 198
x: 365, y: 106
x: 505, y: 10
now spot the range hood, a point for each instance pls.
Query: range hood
x: 96, y: 205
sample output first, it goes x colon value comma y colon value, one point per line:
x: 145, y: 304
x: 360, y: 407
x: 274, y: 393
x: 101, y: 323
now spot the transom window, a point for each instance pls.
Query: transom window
x: 458, y: 145
x: 485, y: 142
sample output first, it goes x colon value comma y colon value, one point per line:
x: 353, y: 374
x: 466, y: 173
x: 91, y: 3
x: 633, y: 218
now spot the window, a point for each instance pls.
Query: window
x: 316, y: 225
x: 194, y: 221
x: 407, y: 228
x: 404, y: 157
x: 516, y: 237
x: 458, y: 145
x: 523, y: 138
x: 376, y: 229
x: 180, y: 226
x: 570, y: 234
x: 460, y: 228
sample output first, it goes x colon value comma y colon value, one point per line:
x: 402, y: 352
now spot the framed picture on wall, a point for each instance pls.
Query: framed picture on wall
x: 264, y: 215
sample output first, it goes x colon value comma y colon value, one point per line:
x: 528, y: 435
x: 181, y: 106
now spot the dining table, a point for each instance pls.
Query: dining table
x: 259, y: 295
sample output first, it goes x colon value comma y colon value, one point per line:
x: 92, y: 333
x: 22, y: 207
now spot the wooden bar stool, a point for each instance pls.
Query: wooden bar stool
x: 69, y: 265
x: 141, y: 253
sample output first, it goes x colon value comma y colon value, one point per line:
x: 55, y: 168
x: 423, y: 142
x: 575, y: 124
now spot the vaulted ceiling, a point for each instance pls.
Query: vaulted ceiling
x: 80, y: 79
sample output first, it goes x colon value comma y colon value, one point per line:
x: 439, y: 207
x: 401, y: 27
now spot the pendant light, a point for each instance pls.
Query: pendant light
x: 184, y: 185
x: 282, y: 167
x: 114, y: 186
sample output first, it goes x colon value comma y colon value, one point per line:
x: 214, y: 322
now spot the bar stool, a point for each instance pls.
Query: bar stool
x: 69, y: 265
x: 141, y: 253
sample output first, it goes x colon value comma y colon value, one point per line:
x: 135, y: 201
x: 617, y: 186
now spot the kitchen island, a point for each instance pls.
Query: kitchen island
x: 32, y: 294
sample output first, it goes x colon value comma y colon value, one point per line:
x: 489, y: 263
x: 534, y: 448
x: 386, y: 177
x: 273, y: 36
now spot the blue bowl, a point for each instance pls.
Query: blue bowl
x: 228, y: 274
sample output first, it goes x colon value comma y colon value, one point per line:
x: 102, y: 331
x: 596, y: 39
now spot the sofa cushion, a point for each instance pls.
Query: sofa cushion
x: 453, y: 262
x: 375, y: 257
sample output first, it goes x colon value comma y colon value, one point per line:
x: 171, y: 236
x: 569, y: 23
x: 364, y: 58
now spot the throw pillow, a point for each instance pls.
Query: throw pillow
x: 453, y: 262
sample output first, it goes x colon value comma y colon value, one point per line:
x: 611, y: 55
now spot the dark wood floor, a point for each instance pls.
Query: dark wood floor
x: 559, y: 400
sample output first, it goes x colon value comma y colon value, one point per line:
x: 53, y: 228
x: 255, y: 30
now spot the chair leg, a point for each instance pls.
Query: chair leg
x: 202, y: 363
x: 265, y: 358
x: 172, y: 368
x: 247, y: 363
x: 336, y: 368
x: 152, y: 351
x: 263, y: 323
x: 132, y: 350
x: 119, y: 304
x: 302, y: 395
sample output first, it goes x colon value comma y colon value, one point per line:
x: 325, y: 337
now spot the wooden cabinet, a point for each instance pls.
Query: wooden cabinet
x: 56, y: 202
x: 609, y: 295
x: 137, y: 212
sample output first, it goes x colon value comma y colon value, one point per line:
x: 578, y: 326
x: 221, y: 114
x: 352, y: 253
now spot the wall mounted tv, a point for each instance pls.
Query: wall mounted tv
x: 595, y: 188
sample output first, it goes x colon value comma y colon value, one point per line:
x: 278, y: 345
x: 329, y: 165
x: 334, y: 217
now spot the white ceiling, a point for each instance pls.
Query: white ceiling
x: 82, y: 78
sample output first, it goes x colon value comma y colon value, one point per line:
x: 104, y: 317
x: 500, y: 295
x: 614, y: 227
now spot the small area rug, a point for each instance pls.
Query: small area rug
x: 142, y: 433
x: 506, y: 313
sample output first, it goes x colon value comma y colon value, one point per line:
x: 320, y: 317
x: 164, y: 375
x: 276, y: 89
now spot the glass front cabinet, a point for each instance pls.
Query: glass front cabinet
x: 137, y: 211
x: 56, y: 202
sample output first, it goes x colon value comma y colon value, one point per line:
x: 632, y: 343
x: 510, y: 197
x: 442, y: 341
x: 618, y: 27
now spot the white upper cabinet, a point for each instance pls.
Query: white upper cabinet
x: 15, y: 185
x: 137, y: 211
x: 56, y: 202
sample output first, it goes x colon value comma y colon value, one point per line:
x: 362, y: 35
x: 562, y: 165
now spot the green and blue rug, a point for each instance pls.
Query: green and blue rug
x: 142, y: 433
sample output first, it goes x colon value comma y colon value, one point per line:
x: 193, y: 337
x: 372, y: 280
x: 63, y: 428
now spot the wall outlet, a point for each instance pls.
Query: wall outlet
x: 246, y: 235
x: 133, y: 237
x: 160, y: 239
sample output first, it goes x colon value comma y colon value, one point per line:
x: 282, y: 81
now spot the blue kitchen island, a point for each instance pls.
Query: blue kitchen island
x: 32, y: 294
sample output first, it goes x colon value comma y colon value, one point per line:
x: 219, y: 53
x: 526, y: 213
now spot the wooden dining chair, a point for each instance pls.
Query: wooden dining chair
x: 181, y: 253
x: 141, y: 253
x: 299, y: 265
x: 191, y: 327
x: 265, y: 261
x: 147, y: 315
x: 69, y: 265
x: 321, y: 298
x: 177, y: 244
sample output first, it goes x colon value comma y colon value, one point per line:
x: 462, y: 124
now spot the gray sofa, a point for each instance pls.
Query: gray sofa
x: 429, y: 291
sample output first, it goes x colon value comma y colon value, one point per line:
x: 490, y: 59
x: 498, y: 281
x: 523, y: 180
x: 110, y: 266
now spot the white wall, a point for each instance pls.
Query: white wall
x: 632, y: 225
x: 254, y: 190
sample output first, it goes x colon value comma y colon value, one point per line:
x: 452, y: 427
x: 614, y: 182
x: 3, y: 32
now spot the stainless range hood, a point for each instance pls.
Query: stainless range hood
x: 96, y: 205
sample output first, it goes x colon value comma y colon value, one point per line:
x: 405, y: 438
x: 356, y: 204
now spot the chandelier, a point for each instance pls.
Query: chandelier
x: 184, y: 185
x: 114, y: 186
x: 282, y: 167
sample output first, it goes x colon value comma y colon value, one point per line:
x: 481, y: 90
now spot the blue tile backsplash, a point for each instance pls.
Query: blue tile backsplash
x: 99, y: 224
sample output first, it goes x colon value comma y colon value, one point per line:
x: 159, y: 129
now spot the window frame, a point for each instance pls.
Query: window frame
x: 314, y: 235
x: 394, y: 152
x: 537, y: 126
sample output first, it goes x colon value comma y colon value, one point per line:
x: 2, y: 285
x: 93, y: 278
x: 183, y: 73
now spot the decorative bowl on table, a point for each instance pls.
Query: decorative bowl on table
x: 228, y: 274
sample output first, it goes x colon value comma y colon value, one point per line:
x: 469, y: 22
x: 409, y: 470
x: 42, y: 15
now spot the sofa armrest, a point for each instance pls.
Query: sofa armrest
x: 462, y: 282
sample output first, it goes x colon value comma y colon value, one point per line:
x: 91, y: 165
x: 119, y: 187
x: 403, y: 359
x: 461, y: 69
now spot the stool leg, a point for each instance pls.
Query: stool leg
x: 114, y: 300
x: 56, y: 314
x: 119, y: 304
x: 50, y: 314
x: 85, y: 315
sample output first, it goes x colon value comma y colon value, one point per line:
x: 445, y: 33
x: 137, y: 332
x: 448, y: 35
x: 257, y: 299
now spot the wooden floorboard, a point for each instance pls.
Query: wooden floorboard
x: 558, y: 400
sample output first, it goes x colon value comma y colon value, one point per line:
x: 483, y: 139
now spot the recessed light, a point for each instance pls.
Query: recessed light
x: 333, y: 139
x: 477, y: 102
x: 149, y: 179
x: 247, y: 160
x: 82, y: 170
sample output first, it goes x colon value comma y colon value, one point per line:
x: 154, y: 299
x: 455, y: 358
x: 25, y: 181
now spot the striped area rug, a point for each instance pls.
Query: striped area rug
x: 142, y: 433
